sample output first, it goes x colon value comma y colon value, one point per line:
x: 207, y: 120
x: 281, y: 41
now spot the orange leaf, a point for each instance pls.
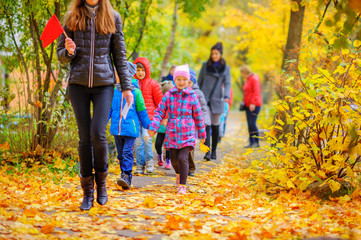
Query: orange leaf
x: 38, y: 104
x: 355, y: 5
x: 46, y: 229
x: 30, y: 212
x: 173, y: 222
x: 5, y: 146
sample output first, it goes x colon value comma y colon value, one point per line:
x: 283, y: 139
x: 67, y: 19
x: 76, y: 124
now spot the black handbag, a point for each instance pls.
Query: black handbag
x: 242, y: 107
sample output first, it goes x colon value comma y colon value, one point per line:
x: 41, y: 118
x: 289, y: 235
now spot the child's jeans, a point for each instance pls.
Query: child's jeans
x: 180, y: 163
x: 125, y: 153
x: 143, y: 148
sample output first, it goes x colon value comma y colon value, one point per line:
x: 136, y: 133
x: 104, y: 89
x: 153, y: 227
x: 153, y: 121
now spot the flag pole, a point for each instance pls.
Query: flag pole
x: 66, y: 35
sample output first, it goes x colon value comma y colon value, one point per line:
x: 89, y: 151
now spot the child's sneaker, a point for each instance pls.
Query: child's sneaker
x: 125, y: 181
x: 149, y: 166
x: 139, y: 170
x: 182, y: 190
x: 160, y: 160
x: 168, y: 166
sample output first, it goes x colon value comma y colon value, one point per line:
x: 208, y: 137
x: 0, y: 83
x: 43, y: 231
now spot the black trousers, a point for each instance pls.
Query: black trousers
x: 252, y: 127
x: 93, y: 146
x: 179, y: 159
x: 159, y: 144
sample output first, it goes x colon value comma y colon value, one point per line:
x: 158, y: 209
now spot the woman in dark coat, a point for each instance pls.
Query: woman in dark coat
x: 94, y: 44
x: 215, y: 82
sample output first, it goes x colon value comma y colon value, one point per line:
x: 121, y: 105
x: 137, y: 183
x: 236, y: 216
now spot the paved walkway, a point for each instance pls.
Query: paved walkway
x: 236, y: 128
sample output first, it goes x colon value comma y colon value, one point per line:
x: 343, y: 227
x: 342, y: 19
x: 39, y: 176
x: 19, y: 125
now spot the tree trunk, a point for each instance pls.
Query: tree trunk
x: 143, y: 13
x: 291, y: 52
x: 294, y: 37
x: 171, y: 43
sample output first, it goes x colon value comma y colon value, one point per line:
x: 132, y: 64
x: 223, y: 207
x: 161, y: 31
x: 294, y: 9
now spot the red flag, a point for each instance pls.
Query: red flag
x: 52, y: 31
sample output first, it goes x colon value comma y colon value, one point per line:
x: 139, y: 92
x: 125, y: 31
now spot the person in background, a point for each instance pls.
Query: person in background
x: 185, y: 118
x: 94, y: 46
x: 152, y: 95
x: 166, y: 86
x: 169, y: 77
x: 215, y: 82
x: 206, y: 118
x: 252, y: 100
x: 125, y: 127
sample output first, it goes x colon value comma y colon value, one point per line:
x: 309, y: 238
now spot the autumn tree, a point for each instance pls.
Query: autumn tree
x: 294, y: 37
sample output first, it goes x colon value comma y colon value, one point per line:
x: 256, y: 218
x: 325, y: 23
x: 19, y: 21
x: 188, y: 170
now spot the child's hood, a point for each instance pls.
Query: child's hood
x: 145, y: 63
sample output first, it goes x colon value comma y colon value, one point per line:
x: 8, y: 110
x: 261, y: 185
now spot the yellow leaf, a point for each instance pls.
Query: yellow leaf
x: 335, y: 58
x: 334, y: 186
x: 290, y: 184
x: 204, y: 148
x: 304, y: 185
x: 149, y: 203
x: 321, y: 174
x: 349, y: 172
x: 357, y: 43
x: 344, y: 199
x: 280, y: 122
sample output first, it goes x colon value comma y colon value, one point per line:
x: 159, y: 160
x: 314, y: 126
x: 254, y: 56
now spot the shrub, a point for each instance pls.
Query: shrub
x: 323, y: 116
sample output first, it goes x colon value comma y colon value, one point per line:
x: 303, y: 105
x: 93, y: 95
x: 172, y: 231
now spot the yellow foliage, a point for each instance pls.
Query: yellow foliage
x: 204, y: 148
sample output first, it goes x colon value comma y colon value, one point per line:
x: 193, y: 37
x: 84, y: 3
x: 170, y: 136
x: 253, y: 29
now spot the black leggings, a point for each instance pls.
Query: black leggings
x: 252, y: 127
x: 180, y: 163
x: 93, y: 146
x: 159, y: 144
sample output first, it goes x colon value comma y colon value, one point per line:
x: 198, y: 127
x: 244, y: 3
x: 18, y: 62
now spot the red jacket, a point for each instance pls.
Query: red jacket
x: 252, y: 91
x: 150, y: 88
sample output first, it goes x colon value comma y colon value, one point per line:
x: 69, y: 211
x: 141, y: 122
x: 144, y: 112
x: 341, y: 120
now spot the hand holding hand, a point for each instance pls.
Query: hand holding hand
x: 252, y: 107
x: 226, y: 99
x: 151, y: 133
x: 164, y: 122
x: 128, y: 96
x: 70, y: 45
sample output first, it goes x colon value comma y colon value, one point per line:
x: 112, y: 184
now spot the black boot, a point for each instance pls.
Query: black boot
x: 208, y: 143
x: 215, y: 139
x: 87, y: 184
x: 125, y: 181
x: 101, y: 181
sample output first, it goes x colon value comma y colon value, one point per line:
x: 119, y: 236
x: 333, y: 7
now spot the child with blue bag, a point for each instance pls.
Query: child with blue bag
x: 125, y: 126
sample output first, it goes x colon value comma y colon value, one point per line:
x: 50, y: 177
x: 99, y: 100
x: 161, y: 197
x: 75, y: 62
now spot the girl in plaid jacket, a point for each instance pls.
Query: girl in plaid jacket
x: 184, y: 119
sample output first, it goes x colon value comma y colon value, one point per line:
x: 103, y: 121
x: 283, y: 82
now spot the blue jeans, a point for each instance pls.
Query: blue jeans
x: 252, y: 127
x: 143, y: 150
x: 125, y: 153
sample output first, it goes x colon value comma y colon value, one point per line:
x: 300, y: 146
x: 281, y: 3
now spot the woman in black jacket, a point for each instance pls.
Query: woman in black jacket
x: 95, y: 43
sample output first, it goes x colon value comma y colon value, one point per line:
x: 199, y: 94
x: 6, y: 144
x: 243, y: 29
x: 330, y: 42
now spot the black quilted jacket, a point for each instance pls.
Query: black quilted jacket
x: 92, y: 63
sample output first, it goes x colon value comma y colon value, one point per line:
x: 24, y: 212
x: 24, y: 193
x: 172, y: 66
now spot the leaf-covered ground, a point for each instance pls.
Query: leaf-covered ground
x: 221, y: 204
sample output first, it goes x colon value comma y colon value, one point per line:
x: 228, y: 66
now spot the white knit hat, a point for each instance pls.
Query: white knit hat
x: 182, y: 70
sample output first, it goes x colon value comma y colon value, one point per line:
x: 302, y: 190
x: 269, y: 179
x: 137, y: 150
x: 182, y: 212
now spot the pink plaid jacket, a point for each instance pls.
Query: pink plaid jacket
x: 184, y: 118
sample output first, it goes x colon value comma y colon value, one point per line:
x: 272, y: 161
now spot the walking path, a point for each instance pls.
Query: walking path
x: 163, y: 180
x: 39, y: 204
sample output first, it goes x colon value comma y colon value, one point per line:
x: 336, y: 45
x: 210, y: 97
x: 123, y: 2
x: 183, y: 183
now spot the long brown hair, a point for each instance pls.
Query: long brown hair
x: 104, y: 22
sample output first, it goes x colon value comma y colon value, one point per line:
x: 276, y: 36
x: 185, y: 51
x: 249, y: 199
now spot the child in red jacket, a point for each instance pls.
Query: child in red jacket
x: 152, y: 95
